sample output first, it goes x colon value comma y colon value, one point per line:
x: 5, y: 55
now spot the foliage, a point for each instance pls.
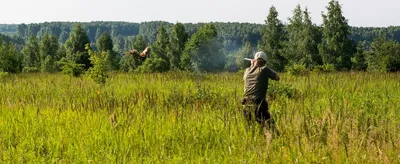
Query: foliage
x: 301, y: 48
x: 337, y: 48
x: 100, y: 66
x: 75, y: 46
x: 31, y: 53
x: 3, y: 74
x: 385, y: 55
x: 69, y: 67
x: 30, y: 69
x: 359, y: 59
x: 105, y: 43
x: 297, y: 69
x: 139, y: 43
x: 48, y: 53
x: 324, y: 68
x: 159, y: 49
x: 177, y: 41
x: 271, y: 43
x: 9, y: 59
x: 151, y: 65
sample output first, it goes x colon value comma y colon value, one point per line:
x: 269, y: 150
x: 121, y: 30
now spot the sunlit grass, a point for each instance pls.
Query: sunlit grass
x: 179, y: 117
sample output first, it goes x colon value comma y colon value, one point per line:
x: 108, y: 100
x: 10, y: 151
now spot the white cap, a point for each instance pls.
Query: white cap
x: 260, y: 55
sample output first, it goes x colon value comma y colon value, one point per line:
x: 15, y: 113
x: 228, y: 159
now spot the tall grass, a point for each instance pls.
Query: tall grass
x: 178, y: 117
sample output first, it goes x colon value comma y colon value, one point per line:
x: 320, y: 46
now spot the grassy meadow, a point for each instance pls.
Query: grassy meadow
x: 186, y: 118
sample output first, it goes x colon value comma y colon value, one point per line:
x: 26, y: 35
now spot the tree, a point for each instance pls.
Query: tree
x: 21, y: 29
x: 159, y: 49
x: 139, y: 43
x: 105, y: 43
x: 301, y: 48
x: 293, y: 50
x: 358, y: 60
x: 271, y: 43
x: 31, y: 55
x: 177, y: 41
x: 48, y: 53
x: 337, y: 48
x: 9, y: 60
x: 312, y: 38
x: 385, y: 55
x: 203, y: 52
x: 75, y: 46
x: 100, y: 66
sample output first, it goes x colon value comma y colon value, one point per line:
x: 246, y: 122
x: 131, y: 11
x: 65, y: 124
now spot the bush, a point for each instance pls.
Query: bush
x: 30, y: 69
x: 297, y: 69
x: 3, y: 74
x: 279, y: 89
x: 324, y: 68
x: 71, y: 68
x: 153, y: 65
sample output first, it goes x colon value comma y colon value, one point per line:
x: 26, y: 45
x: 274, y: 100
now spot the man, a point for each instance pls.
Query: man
x: 255, y: 89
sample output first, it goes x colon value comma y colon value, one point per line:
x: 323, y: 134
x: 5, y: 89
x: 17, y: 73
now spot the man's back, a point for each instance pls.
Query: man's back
x: 256, y: 82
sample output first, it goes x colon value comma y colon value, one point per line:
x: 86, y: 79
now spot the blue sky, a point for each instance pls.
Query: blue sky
x: 377, y: 13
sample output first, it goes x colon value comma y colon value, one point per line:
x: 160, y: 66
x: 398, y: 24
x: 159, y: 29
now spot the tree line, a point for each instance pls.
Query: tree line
x: 300, y: 44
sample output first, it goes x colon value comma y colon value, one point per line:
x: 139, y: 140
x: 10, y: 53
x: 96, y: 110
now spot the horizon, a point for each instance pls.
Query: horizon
x: 358, y: 12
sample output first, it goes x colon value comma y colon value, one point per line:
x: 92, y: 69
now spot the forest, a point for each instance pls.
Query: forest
x: 295, y: 46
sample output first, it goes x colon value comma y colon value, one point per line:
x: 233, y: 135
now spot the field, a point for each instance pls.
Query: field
x: 187, y: 118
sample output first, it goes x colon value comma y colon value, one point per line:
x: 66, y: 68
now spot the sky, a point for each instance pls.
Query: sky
x: 366, y: 13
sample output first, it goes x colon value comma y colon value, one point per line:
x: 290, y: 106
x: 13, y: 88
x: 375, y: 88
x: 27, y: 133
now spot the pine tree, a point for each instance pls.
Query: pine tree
x: 177, y: 42
x: 159, y: 50
x: 272, y: 39
x: 75, y: 47
x: 31, y: 55
x: 337, y: 48
x: 105, y: 43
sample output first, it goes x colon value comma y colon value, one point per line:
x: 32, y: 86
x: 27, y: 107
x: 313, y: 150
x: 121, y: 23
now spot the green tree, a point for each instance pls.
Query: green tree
x: 48, y: 53
x: 75, y: 46
x: 9, y: 60
x: 31, y: 55
x: 139, y: 43
x: 358, y: 60
x: 177, y: 41
x: 100, y: 66
x: 203, y: 52
x: 272, y: 39
x: 337, y: 48
x: 159, y: 49
x: 312, y: 37
x: 105, y: 43
x: 301, y: 48
x: 385, y: 55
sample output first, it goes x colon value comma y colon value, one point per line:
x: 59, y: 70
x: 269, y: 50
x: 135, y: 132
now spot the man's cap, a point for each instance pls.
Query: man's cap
x: 260, y: 55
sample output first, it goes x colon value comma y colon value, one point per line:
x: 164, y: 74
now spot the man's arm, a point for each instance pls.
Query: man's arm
x: 272, y: 74
x: 277, y: 78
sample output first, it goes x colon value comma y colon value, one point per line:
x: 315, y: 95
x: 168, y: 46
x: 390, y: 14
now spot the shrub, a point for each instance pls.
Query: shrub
x: 324, y: 68
x: 280, y: 89
x: 297, y: 69
x: 153, y: 65
x: 30, y: 69
x: 3, y: 74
